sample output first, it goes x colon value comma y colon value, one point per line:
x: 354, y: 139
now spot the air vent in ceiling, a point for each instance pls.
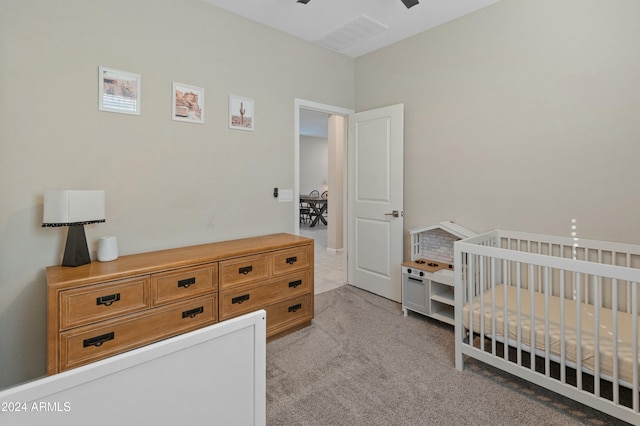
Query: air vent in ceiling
x: 352, y: 32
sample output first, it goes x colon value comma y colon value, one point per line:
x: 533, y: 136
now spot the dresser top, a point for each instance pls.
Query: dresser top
x: 149, y: 262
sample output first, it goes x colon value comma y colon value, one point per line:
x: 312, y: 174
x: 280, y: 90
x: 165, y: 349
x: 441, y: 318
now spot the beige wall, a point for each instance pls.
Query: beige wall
x: 168, y: 183
x: 335, y: 208
x: 521, y: 116
x: 314, y: 164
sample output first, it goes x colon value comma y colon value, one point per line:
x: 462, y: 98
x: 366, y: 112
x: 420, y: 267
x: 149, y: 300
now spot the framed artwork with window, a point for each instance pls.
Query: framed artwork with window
x: 119, y: 91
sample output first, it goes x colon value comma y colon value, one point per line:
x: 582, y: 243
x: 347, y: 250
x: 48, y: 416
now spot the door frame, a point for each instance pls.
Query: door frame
x: 333, y: 110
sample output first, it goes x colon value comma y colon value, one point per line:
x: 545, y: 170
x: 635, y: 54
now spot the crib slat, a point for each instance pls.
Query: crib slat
x: 470, y: 287
x: 547, y: 360
x: 532, y: 319
x: 506, y: 279
x: 482, y: 287
x: 578, y: 332
x: 492, y: 283
x: 518, y: 311
x: 614, y: 313
x: 539, y: 269
x: 563, y: 347
x: 596, y: 337
x: 634, y: 314
x: 628, y: 286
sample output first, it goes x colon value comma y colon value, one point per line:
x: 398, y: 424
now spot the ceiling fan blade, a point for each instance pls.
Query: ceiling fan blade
x: 409, y: 3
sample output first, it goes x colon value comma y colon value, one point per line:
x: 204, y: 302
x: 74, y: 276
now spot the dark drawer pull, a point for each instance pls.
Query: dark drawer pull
x: 292, y: 260
x: 107, y: 300
x: 240, y: 299
x: 295, y: 307
x: 191, y: 313
x: 245, y: 270
x: 98, y: 340
x: 187, y: 282
x: 295, y: 284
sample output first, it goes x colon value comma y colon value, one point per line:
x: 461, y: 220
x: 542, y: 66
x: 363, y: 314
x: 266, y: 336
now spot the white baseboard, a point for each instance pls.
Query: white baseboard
x: 334, y: 251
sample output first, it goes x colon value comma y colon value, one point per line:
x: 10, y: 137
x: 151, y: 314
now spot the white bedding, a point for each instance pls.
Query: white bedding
x: 625, y: 330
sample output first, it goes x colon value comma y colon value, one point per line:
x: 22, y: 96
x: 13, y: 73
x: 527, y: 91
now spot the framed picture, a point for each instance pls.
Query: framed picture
x: 241, y: 115
x: 119, y: 91
x: 188, y: 103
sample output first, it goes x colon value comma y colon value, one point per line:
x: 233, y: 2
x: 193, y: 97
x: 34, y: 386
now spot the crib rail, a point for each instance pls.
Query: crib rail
x: 544, y: 309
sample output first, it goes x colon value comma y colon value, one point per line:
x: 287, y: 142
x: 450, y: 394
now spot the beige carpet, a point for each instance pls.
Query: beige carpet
x: 362, y: 363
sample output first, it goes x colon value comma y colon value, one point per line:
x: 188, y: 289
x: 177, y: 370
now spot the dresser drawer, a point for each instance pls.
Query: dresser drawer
x: 243, y: 270
x: 291, y: 260
x: 88, y: 344
x: 282, y: 315
x: 84, y: 305
x: 235, y: 302
x: 183, y: 283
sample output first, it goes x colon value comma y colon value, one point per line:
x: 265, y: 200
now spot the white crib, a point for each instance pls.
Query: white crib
x: 213, y: 375
x: 574, y: 304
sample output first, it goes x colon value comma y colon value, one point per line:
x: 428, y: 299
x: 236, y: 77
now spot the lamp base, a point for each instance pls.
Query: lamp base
x: 76, y: 251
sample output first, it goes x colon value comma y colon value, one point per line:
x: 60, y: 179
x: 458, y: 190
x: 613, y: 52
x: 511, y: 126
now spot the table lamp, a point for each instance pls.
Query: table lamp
x: 74, y: 208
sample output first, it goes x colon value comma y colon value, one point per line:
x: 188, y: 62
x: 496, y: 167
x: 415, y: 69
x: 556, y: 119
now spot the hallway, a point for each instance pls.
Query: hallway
x: 328, y: 266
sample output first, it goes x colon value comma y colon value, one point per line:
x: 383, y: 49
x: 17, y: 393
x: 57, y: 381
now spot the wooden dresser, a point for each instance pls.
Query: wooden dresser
x: 105, y: 308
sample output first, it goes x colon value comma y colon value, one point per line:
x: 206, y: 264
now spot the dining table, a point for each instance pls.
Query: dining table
x: 318, y: 207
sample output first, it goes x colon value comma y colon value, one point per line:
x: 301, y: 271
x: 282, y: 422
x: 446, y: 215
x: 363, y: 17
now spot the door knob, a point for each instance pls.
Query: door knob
x: 394, y: 213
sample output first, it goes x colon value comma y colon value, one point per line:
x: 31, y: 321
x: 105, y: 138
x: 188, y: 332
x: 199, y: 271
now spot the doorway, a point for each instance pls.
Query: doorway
x: 330, y: 253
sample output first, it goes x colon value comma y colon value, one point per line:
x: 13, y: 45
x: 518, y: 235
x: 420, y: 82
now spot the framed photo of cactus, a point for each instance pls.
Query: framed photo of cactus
x: 241, y: 115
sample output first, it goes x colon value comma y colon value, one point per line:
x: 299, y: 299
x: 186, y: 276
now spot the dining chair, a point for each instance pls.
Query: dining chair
x: 305, y: 212
x: 310, y: 212
x: 324, y: 196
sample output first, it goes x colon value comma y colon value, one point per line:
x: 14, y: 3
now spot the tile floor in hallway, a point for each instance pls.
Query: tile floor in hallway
x: 328, y: 266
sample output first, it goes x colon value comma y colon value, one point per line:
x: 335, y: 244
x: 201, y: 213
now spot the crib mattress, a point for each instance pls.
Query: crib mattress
x: 606, y: 336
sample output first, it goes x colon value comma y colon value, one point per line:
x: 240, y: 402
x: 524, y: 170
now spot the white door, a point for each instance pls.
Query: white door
x: 375, y: 206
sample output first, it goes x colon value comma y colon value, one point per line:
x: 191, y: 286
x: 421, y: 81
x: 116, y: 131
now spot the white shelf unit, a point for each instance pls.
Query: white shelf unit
x: 441, y: 299
x: 428, y: 293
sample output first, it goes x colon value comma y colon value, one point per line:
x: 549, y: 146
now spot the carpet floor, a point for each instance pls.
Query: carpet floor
x: 361, y: 362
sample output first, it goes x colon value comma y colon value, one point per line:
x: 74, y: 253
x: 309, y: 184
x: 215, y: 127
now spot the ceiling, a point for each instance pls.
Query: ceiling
x: 351, y: 27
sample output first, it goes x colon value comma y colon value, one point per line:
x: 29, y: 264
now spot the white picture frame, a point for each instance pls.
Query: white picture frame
x: 119, y: 91
x: 188, y: 103
x: 241, y: 113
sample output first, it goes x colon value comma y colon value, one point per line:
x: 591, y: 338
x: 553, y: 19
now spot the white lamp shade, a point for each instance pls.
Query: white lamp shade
x: 67, y: 207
